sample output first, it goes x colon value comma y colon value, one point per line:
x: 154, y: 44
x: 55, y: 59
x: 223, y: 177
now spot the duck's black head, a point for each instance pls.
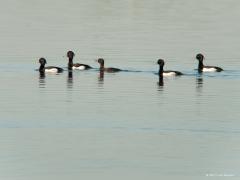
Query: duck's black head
x: 100, y: 61
x: 161, y: 62
x: 42, y: 61
x: 70, y: 54
x: 200, y: 57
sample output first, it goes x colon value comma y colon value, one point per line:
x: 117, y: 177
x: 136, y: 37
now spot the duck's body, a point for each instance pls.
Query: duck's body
x: 203, y: 68
x: 172, y: 73
x: 110, y: 69
x: 167, y: 73
x: 53, y: 69
x: 211, y: 69
x: 81, y: 66
x: 48, y: 69
x: 78, y: 66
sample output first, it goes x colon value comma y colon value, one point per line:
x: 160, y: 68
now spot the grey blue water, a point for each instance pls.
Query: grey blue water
x: 122, y: 125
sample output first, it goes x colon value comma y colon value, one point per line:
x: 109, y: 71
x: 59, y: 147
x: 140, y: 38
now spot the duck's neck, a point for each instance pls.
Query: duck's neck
x: 200, y: 66
x: 70, y: 63
x: 160, y: 72
x: 41, y: 68
x: 102, y: 67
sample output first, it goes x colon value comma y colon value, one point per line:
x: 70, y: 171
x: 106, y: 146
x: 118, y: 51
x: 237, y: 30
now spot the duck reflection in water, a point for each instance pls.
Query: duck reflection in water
x: 199, y: 85
x: 70, y: 79
x: 101, y: 77
x: 160, y: 82
x: 199, y: 82
x: 42, y: 79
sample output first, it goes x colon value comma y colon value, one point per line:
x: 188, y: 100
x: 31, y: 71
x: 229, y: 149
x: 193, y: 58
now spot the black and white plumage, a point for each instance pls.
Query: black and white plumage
x: 167, y: 73
x: 110, y: 69
x: 50, y: 69
x: 203, y: 68
x: 78, y: 66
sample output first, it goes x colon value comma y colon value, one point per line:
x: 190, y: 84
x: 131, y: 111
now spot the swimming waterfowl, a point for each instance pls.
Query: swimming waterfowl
x: 72, y: 66
x: 110, y: 69
x: 166, y: 73
x: 52, y: 69
x: 203, y: 68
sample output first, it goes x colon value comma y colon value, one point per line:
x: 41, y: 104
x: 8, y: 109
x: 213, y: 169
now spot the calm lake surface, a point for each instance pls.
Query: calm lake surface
x: 123, y: 125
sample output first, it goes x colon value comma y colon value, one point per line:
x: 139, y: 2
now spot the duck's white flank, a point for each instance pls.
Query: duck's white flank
x: 209, y: 69
x: 79, y: 67
x: 52, y: 70
x: 167, y: 74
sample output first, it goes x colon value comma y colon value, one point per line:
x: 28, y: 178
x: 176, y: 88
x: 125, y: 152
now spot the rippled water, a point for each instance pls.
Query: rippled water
x: 123, y: 125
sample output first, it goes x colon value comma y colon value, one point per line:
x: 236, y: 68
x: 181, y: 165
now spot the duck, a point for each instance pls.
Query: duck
x: 110, y: 69
x: 51, y: 69
x: 166, y: 73
x: 202, y: 68
x: 72, y: 66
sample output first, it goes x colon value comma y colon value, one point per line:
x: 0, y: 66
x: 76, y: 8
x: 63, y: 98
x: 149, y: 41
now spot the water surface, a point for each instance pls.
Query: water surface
x: 124, y: 125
